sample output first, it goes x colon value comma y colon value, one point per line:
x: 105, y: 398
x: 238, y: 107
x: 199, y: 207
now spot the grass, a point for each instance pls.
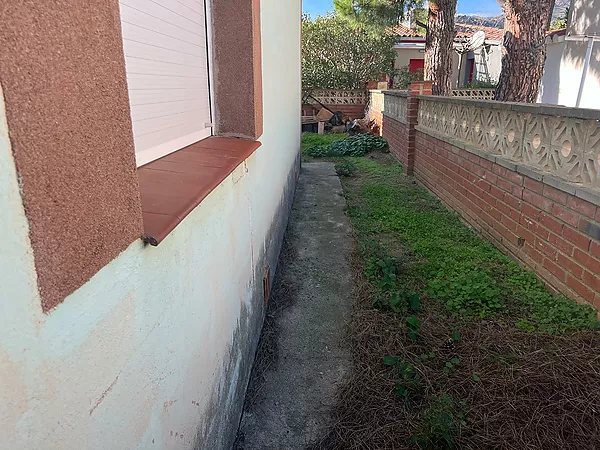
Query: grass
x: 311, y: 140
x: 454, y: 344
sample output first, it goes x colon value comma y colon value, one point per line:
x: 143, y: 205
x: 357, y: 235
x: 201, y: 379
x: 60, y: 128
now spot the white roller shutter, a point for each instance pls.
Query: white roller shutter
x: 166, y: 60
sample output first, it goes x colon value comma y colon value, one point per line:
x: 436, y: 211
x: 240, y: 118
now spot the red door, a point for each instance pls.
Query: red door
x: 416, y: 65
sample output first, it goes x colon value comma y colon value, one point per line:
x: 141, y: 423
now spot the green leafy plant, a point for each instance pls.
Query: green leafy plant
x: 467, y: 291
x: 345, y: 169
x: 357, y: 145
x: 339, y: 55
x: 440, y: 423
x: 408, y: 383
x: 413, y: 325
x: 450, y: 366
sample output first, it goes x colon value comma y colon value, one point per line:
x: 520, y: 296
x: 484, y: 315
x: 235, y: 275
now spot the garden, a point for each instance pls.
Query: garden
x: 454, y: 344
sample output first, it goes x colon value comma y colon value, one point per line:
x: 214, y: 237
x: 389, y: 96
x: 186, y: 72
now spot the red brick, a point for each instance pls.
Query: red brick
x: 588, y: 261
x: 592, y: 281
x: 509, y: 223
x: 545, y: 248
x: 555, y: 270
x: 533, y: 253
x: 580, y: 240
x: 530, y: 211
x: 561, y: 244
x: 526, y: 234
x: 598, y: 215
x: 517, y: 191
x: 491, y: 177
x: 551, y: 223
x: 485, y: 164
x: 497, y: 193
x: 565, y: 215
x: 505, y: 185
x: 514, y: 177
x: 569, y: 265
x: 555, y: 195
x: 581, y: 206
x: 580, y: 288
x: 498, y: 170
x: 533, y: 185
x: 537, y: 201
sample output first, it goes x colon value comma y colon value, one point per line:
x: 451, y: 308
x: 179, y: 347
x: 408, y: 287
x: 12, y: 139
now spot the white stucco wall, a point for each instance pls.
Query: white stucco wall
x: 565, y: 60
x: 550, y: 87
x: 404, y: 55
x: 137, y: 357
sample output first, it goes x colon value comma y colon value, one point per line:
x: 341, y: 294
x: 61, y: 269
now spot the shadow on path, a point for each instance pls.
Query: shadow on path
x: 301, y: 357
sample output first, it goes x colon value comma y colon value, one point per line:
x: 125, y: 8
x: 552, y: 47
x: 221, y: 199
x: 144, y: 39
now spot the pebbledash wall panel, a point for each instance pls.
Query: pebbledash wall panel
x: 166, y: 58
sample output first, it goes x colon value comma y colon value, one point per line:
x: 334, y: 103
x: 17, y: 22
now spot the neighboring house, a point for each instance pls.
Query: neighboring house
x: 149, y: 152
x: 483, y: 64
x: 564, y: 82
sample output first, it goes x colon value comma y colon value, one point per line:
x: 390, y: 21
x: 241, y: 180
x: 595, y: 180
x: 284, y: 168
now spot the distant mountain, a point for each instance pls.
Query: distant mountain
x: 486, y: 21
x: 498, y: 21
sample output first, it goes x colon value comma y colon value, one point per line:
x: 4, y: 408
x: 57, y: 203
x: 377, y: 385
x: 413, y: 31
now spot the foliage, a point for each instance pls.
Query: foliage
x: 466, y: 290
x: 440, y: 423
x: 404, y: 77
x: 560, y: 22
x: 358, y: 145
x: 408, y: 382
x: 469, y: 276
x: 413, y: 324
x: 312, y: 140
x: 345, y: 169
x: 374, y: 13
x: 482, y: 84
x: 339, y: 55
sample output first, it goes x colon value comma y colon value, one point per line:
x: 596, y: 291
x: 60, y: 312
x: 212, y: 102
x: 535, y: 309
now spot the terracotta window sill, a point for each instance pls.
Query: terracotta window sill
x: 172, y: 186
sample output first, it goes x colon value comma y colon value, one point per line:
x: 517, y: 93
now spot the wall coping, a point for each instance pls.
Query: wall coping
x: 396, y: 93
x: 534, y: 108
x: 584, y: 193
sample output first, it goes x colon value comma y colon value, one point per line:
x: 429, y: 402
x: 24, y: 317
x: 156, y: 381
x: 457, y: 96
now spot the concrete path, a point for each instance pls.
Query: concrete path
x: 298, y: 390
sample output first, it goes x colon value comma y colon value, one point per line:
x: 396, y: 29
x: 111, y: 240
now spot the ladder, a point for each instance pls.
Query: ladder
x: 481, y: 65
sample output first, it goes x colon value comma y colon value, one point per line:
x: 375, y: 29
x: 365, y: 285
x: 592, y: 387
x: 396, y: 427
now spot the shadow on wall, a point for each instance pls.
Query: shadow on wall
x: 584, y: 19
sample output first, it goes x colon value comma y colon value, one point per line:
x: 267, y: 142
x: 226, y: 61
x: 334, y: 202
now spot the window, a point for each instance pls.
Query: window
x: 166, y: 58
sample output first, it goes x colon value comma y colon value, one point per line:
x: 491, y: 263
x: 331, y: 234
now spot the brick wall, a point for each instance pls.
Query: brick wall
x: 549, y: 230
x: 396, y: 133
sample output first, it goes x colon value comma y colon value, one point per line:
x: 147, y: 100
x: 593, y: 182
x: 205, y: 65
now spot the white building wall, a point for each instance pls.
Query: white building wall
x: 565, y: 60
x: 153, y: 352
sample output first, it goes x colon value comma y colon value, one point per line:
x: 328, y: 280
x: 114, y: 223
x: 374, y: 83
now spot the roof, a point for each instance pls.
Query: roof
x: 404, y: 31
x: 467, y: 31
x: 463, y: 31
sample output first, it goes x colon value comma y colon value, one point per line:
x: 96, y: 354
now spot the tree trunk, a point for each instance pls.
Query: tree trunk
x: 524, y: 53
x: 438, y: 45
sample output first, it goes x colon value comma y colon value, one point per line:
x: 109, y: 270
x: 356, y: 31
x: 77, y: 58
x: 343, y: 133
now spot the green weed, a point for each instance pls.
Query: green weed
x: 440, y: 423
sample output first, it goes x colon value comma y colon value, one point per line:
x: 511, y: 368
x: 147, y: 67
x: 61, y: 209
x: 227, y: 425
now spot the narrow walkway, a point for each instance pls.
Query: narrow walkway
x: 309, y: 309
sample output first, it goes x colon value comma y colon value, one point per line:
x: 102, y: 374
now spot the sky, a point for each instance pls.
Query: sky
x: 481, y: 7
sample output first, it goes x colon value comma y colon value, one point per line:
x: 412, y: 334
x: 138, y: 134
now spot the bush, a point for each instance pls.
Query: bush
x: 358, y: 145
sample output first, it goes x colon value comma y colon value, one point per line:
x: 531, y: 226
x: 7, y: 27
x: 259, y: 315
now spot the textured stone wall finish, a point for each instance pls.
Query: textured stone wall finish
x: 396, y: 107
x: 341, y: 97
x: 481, y: 94
x: 566, y: 147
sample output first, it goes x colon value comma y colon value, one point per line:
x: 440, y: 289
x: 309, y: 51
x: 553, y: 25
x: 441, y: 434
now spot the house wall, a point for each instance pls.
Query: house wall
x: 571, y: 68
x: 504, y: 173
x: 565, y: 60
x: 154, y: 351
x: 551, y: 86
x: 404, y: 55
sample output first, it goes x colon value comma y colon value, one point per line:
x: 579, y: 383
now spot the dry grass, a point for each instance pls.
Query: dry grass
x: 517, y: 390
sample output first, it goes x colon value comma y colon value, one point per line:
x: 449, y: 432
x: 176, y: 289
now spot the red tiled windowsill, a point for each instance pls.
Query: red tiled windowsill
x: 172, y: 186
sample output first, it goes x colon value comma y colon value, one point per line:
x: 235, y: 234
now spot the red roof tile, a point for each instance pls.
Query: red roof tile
x: 463, y: 31
x: 404, y: 31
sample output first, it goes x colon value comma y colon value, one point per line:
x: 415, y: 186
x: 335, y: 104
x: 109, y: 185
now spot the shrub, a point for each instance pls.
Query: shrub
x: 358, y: 145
